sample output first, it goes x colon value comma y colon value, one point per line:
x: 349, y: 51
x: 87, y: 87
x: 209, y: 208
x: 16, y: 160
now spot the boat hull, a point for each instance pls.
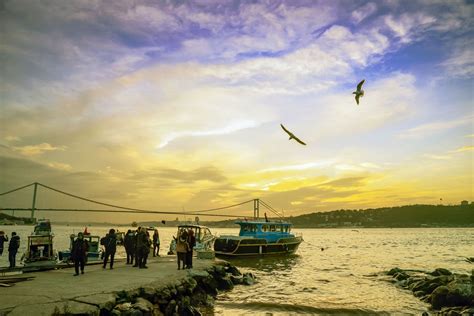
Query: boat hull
x: 241, y: 247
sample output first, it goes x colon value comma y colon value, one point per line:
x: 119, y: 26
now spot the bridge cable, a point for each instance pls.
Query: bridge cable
x: 17, y: 189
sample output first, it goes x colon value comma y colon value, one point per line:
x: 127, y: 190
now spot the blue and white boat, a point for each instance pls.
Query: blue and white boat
x: 258, y: 238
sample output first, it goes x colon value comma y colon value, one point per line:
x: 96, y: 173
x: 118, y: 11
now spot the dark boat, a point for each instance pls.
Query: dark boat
x: 259, y: 238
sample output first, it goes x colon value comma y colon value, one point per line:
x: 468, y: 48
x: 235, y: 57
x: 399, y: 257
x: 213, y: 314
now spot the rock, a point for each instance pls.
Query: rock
x: 461, y: 292
x: 148, y: 292
x: 440, y: 271
x: 419, y: 293
x: 171, y: 308
x: 135, y: 312
x: 248, y: 279
x: 439, y: 297
x: 393, y: 271
x: 198, y: 274
x: 143, y: 305
x: 400, y: 276
x: 232, y: 270
x: 219, y: 271
x: 225, y: 283
x: 156, y: 312
x: 115, y: 312
x: 237, y: 279
x: 123, y: 307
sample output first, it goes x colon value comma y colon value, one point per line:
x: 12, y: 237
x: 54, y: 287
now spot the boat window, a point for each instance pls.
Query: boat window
x: 281, y: 229
x: 272, y: 228
x: 264, y: 228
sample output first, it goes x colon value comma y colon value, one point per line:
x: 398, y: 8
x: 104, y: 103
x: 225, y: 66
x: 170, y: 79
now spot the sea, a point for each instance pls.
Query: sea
x: 334, y: 271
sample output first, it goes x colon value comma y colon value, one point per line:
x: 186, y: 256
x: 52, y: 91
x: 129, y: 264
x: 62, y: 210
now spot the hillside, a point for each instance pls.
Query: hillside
x: 403, y: 216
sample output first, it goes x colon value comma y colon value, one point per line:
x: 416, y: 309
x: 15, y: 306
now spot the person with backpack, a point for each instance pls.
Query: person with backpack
x: 110, y: 244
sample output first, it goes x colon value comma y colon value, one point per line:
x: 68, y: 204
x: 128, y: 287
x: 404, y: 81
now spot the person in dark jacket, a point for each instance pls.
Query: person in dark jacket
x: 13, y: 249
x: 143, y: 247
x: 189, y: 253
x: 79, y: 253
x: 110, y: 248
x: 129, y: 244
x: 3, y: 239
x: 135, y: 242
x: 156, y: 243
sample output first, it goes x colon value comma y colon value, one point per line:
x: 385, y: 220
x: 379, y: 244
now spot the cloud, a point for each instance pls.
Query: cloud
x: 231, y: 128
x: 460, y: 64
x: 60, y: 166
x: 304, y: 166
x: 437, y: 157
x: 34, y: 150
x: 435, y: 127
x: 463, y: 149
x: 364, y: 11
x: 345, y: 182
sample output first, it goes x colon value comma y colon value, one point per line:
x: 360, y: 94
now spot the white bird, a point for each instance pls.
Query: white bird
x: 359, y: 92
x: 292, y: 136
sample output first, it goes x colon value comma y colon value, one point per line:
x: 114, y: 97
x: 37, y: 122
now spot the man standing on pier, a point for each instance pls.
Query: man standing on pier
x: 79, y: 253
x: 110, y: 248
x: 13, y: 249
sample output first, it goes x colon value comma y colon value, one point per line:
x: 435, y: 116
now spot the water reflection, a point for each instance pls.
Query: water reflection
x: 268, y: 264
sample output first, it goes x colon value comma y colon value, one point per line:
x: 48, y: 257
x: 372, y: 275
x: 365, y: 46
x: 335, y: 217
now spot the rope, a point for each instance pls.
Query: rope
x: 271, y: 208
x: 221, y: 208
x: 110, y: 211
x: 137, y: 209
x: 17, y: 189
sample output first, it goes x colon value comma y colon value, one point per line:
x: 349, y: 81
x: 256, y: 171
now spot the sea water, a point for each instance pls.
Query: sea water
x: 334, y: 271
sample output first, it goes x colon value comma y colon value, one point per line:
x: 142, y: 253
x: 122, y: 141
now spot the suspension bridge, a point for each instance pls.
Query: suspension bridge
x: 213, y: 212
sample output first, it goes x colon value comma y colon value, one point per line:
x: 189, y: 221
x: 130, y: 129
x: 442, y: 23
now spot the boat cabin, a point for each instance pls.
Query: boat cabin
x: 39, y: 248
x: 271, y: 231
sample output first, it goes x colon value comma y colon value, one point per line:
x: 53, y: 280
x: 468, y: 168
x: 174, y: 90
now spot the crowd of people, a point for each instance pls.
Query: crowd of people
x: 13, y: 246
x: 138, y: 245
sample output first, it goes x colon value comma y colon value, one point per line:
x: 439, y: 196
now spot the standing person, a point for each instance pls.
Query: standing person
x: 13, y: 249
x: 110, y: 248
x: 79, y: 253
x: 3, y: 239
x: 182, y: 248
x: 156, y: 243
x: 189, y: 253
x: 142, y: 245
x: 146, y: 249
x: 129, y: 244
x: 135, y: 241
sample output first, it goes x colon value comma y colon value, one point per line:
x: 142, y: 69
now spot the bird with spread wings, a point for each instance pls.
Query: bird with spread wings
x: 359, y: 92
x: 292, y: 136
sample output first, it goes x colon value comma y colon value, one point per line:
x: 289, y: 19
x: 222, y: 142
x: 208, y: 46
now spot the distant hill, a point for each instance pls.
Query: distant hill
x: 402, y: 216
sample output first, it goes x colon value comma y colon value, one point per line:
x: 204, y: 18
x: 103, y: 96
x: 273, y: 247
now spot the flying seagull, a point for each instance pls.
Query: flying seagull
x: 292, y: 136
x: 359, y: 92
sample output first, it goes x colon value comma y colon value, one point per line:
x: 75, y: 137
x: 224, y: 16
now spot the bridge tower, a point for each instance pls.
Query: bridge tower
x: 256, y: 208
x: 33, y: 205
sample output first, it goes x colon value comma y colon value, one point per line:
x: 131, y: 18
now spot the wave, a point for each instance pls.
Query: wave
x: 296, y: 308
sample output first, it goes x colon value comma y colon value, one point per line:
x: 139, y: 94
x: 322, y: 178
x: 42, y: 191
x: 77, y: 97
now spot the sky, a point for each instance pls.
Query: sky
x: 177, y: 105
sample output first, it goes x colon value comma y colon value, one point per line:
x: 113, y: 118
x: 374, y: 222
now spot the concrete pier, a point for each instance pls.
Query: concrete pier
x: 59, y: 292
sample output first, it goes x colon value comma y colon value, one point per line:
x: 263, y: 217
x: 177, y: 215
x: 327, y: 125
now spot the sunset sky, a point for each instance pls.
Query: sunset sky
x: 172, y: 105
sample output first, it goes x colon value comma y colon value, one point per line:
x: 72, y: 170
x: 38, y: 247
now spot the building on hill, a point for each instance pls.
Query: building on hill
x: 464, y: 202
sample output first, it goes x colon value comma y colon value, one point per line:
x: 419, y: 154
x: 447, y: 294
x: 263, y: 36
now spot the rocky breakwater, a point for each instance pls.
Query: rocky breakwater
x: 185, y: 297
x: 448, y: 293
